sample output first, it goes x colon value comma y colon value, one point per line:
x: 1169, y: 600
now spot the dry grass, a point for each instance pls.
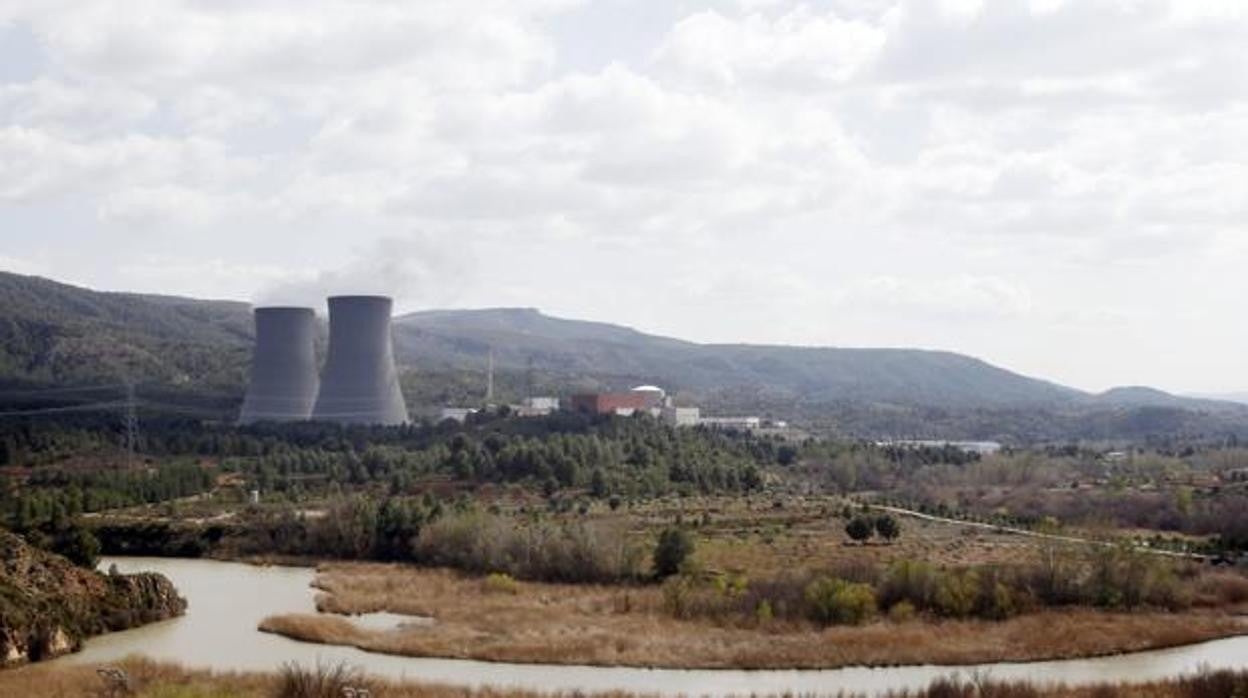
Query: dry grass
x: 614, y: 626
x: 170, y: 681
x: 154, y: 680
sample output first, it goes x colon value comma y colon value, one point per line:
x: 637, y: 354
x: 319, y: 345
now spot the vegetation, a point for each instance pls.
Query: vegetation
x: 53, y: 335
x: 636, y: 626
x: 674, y: 548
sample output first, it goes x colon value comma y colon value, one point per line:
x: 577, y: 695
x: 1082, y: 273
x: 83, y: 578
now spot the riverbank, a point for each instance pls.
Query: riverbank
x: 482, y: 619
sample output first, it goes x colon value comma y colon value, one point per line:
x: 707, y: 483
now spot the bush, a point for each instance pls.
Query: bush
x: 501, y: 583
x: 764, y: 614
x: 902, y: 612
x: 575, y: 552
x: 859, y: 529
x: 674, y: 548
x: 956, y: 594
x: 833, y: 601
x: 911, y: 581
x: 326, y: 681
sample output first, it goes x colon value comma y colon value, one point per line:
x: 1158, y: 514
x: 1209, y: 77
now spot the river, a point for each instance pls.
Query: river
x: 228, y: 601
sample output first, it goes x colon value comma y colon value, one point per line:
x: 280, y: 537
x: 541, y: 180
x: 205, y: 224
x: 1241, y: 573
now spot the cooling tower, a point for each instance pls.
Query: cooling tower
x: 283, y: 369
x: 360, y: 384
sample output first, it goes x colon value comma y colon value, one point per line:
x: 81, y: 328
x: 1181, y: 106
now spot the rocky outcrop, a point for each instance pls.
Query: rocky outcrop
x: 48, y: 605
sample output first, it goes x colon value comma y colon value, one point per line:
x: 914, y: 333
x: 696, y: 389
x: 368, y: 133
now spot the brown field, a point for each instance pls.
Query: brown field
x: 618, y: 626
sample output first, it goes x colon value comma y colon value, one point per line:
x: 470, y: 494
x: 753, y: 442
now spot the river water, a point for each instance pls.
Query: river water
x: 228, y: 601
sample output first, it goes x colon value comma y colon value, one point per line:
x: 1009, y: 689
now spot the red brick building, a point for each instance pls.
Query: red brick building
x: 615, y: 403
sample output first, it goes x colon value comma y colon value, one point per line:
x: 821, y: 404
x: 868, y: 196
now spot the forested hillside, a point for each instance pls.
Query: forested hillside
x: 60, y: 334
x: 524, y: 339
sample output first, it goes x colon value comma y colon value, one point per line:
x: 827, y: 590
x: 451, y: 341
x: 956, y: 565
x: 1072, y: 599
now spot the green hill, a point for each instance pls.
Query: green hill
x: 53, y: 333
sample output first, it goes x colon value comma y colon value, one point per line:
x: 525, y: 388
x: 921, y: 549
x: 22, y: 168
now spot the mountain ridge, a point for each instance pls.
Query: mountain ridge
x: 57, y: 334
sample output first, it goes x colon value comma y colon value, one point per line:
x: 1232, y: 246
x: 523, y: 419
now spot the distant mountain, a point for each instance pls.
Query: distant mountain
x: 1237, y: 398
x: 619, y: 357
x: 53, y: 334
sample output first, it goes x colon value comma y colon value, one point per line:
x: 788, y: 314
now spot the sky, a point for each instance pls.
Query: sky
x: 1059, y: 187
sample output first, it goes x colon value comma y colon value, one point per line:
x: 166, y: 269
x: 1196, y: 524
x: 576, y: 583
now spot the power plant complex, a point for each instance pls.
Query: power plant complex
x: 359, y: 384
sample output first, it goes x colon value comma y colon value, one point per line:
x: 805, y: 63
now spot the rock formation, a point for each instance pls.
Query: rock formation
x: 49, y: 606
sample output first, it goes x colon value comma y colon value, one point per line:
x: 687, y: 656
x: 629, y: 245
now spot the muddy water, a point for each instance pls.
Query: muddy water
x: 228, y: 601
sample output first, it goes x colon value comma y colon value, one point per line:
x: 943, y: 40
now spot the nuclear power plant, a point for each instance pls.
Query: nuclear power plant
x: 283, y: 368
x: 359, y: 384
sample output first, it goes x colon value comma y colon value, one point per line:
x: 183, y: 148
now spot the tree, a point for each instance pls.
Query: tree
x: 887, y: 527
x: 598, y: 484
x: 79, y: 545
x: 859, y: 529
x: 787, y: 454
x: 674, y: 547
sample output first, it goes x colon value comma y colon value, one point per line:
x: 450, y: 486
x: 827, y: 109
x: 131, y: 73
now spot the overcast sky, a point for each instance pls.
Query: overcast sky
x: 1059, y: 187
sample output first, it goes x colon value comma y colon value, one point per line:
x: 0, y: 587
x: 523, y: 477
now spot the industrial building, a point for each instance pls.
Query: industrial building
x: 744, y: 423
x: 646, y: 398
x: 359, y: 383
x: 284, y: 381
x: 681, y: 416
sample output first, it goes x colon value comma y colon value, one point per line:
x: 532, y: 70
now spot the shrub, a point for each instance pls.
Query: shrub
x: 902, y: 612
x: 674, y: 548
x: 956, y: 593
x: 325, y: 681
x: 501, y: 583
x: 576, y: 552
x: 909, y: 580
x: 835, y: 601
x: 764, y: 613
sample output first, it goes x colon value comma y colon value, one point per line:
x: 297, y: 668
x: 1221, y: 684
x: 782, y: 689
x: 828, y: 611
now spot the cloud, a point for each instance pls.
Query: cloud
x: 842, y: 170
x: 418, y: 271
x: 962, y: 296
x: 801, y: 49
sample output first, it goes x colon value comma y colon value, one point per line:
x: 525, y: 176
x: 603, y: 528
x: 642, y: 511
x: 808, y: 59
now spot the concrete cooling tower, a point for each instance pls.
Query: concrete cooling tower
x: 283, y: 369
x: 360, y: 384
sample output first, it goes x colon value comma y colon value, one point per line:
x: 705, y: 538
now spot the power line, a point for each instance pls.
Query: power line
x: 93, y: 407
x: 38, y: 392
